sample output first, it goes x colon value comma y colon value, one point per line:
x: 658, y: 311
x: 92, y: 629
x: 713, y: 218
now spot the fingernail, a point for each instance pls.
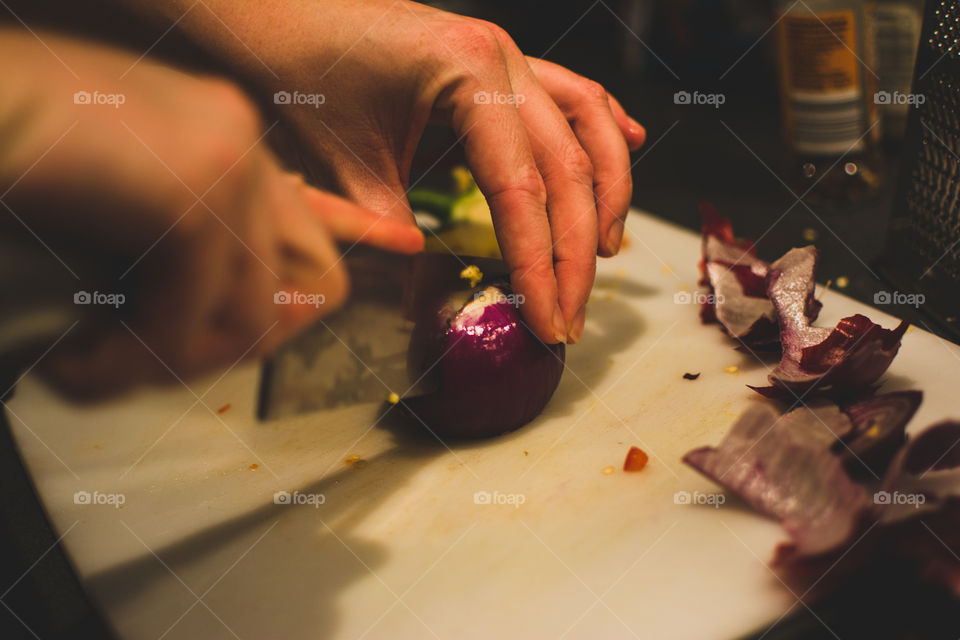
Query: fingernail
x: 615, y: 237
x: 576, y: 328
x: 559, y: 326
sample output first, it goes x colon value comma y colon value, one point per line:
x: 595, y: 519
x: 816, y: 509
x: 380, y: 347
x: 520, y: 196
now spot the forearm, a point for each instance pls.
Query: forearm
x: 255, y: 38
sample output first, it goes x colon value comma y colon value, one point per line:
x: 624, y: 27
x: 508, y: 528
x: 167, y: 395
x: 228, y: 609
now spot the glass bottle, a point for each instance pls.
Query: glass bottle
x: 827, y: 85
x: 897, y: 32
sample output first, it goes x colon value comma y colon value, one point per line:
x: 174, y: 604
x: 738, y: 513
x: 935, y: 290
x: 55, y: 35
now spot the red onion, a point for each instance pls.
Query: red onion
x: 737, y: 278
x: 878, y: 431
x: 487, y: 372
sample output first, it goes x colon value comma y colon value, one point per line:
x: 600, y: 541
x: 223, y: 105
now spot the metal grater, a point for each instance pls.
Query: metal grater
x: 923, y: 253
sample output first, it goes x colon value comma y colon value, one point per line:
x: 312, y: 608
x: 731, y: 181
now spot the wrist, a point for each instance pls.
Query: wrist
x: 265, y: 42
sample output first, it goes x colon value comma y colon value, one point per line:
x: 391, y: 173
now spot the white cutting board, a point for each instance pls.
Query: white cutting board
x: 399, y: 549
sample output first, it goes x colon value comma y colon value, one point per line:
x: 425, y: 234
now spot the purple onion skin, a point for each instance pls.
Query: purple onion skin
x: 879, y: 431
x: 490, y: 373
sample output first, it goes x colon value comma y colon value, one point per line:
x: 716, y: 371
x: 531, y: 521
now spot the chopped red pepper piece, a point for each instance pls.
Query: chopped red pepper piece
x: 636, y: 459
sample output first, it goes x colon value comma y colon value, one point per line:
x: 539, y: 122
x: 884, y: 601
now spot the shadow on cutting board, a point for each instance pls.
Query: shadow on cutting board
x: 293, y: 574
x: 295, y: 582
x: 612, y: 325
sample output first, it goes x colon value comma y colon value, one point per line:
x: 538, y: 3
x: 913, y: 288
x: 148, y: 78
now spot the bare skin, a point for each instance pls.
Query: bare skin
x: 551, y: 154
x: 180, y: 160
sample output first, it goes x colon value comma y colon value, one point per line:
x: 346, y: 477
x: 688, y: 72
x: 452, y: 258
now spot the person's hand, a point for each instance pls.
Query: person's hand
x: 548, y: 148
x: 163, y: 178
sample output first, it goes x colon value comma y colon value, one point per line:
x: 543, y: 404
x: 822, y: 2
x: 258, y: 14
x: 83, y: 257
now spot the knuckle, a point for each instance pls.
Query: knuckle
x: 476, y: 40
x: 593, y: 91
x: 234, y: 109
x: 578, y: 162
x: 228, y: 163
x: 527, y: 183
x: 581, y: 265
x: 333, y: 285
x: 498, y: 32
x: 221, y: 163
x: 235, y: 128
x: 571, y: 162
x: 221, y: 134
x: 534, y: 268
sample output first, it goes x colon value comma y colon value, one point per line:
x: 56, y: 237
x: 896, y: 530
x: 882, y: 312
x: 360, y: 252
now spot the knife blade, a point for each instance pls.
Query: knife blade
x: 358, y: 354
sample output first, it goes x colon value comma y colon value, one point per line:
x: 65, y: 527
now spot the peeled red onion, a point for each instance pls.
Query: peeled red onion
x: 487, y: 372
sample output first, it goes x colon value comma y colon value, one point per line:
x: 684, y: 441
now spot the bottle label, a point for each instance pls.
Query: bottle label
x: 821, y: 85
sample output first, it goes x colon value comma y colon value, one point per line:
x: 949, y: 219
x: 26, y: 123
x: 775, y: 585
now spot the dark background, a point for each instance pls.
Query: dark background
x: 733, y: 156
